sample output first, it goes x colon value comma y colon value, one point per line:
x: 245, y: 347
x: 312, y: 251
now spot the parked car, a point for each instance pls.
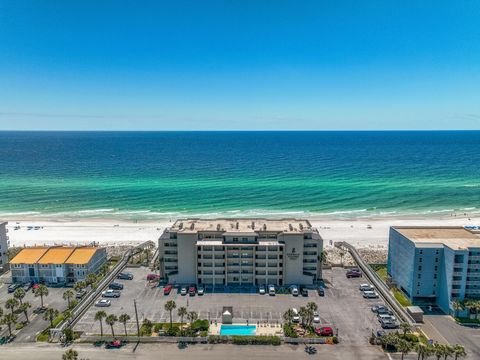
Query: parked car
x: 115, y: 286
x: 386, y: 317
x: 381, y: 333
x: 111, y: 293
x: 271, y: 290
x: 321, y: 291
x: 192, y: 290
x: 353, y: 273
x: 370, y: 295
x: 103, y: 303
x: 303, y: 291
x: 27, y: 286
x: 296, y: 316
x: 376, y: 308
x: 80, y: 294
x: 183, y: 291
x: 384, y: 311
x: 316, y: 317
x: 153, y: 277
x: 294, y: 290
x: 200, y: 290
x: 167, y: 289
x: 261, y: 290
x: 388, y: 324
x: 366, y: 287
x: 324, y: 331
x: 125, y: 276
x: 13, y: 287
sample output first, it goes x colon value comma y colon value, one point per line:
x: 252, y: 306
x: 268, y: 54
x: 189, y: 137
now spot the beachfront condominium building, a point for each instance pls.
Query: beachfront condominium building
x: 435, y: 265
x: 56, y: 264
x: 239, y: 252
x: 4, y: 242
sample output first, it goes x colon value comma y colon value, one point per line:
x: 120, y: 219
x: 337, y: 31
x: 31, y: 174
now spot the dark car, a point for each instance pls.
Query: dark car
x: 125, y: 276
x: 303, y: 291
x: 353, y: 273
x: 27, y: 286
x: 115, y: 286
x: 321, y: 291
x: 13, y: 287
x: 80, y: 293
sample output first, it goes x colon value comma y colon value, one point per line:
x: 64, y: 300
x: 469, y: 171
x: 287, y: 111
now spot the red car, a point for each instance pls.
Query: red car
x: 153, y: 277
x: 324, y: 331
x: 353, y: 274
x: 192, y: 290
x: 167, y: 289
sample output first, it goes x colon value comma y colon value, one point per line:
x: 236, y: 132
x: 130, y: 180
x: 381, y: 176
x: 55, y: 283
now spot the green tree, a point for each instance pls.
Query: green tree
x: 9, y: 320
x: 79, y: 285
x: 406, y: 328
x: 312, y: 306
x: 99, y: 316
x: 192, y: 316
x: 11, y: 304
x: 111, y: 320
x: 24, y: 308
x: 403, y: 346
x: 70, y: 354
x: 422, y: 350
x: 68, y: 295
x: 91, y: 279
x: 19, y: 294
x: 457, y: 306
x: 170, y: 306
x: 124, y: 318
x: 50, y: 314
x: 288, y: 316
x: 182, y: 312
x: 459, y: 351
x: 41, y: 291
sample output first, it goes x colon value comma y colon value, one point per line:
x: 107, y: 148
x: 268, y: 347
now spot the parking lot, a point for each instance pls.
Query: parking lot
x: 37, y: 324
x: 342, y: 307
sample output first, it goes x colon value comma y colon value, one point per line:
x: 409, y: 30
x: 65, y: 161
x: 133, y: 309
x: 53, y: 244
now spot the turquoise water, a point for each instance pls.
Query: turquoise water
x: 229, y: 330
x: 152, y: 175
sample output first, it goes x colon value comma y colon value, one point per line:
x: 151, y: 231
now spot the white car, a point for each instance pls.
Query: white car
x: 271, y: 290
x: 370, y: 295
x: 366, y: 287
x: 200, y: 290
x: 183, y: 291
x: 261, y: 290
x: 296, y: 316
x: 103, y: 303
x: 386, y: 317
x: 111, y: 293
x: 294, y: 290
x: 316, y: 317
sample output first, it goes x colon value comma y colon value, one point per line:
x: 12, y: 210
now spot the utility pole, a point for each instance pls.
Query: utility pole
x: 136, y: 317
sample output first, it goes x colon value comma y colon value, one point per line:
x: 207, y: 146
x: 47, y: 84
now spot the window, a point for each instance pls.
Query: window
x: 421, y: 252
x: 419, y: 276
x: 420, y: 268
x: 436, y: 267
x: 435, y: 276
x: 420, y: 259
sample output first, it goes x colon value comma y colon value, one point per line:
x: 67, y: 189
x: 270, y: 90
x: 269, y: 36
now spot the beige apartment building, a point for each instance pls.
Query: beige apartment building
x: 236, y: 252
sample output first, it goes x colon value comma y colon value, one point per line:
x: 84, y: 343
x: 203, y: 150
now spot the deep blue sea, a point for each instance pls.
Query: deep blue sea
x: 149, y: 175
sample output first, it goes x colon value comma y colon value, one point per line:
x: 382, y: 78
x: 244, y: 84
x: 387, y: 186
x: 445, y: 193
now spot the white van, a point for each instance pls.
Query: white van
x: 296, y: 317
x: 294, y: 290
x: 271, y: 290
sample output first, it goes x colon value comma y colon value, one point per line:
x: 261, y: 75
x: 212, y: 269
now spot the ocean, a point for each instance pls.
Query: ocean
x: 156, y: 175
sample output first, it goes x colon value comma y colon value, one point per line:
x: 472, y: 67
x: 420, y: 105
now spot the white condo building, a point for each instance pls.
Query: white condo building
x: 236, y: 252
x: 3, y: 246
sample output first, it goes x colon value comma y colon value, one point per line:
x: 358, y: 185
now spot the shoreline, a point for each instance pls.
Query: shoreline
x: 370, y: 233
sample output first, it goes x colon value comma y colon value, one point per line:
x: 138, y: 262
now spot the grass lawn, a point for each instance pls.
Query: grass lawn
x: 467, y: 320
x: 401, y: 298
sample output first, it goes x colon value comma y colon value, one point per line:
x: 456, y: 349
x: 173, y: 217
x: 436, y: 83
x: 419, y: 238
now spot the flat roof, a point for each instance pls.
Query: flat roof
x: 29, y: 255
x: 55, y: 255
x: 455, y: 237
x: 246, y: 227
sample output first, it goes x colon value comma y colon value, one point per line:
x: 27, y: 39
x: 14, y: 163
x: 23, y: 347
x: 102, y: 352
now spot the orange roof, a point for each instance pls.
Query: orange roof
x: 81, y: 255
x: 56, y: 255
x: 29, y: 255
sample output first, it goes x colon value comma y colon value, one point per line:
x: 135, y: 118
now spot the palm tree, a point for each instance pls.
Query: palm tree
x: 457, y: 306
x: 50, y: 315
x: 9, y: 320
x: 24, y: 307
x: 403, y: 346
x: 288, y: 316
x: 192, y: 316
x: 91, y: 279
x: 123, y: 318
x: 11, y: 304
x: 111, y: 320
x: 68, y: 295
x: 99, y: 317
x: 41, y: 291
x: 170, y: 306
x: 1, y: 312
x: 79, y: 285
x: 406, y: 328
x: 312, y: 306
x: 19, y: 294
x: 303, y: 314
x: 182, y: 311
x: 70, y: 354
x: 422, y: 350
x: 459, y: 351
x: 447, y: 351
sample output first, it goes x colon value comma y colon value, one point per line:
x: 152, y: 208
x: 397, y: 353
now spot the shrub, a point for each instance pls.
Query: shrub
x: 157, y: 327
x: 203, y: 333
x: 335, y: 339
x: 173, y: 331
x: 43, y: 336
x: 19, y: 326
x: 216, y: 339
x: 256, y: 340
x: 146, y: 328
x: 411, y: 338
x: 288, y: 331
x: 200, y: 325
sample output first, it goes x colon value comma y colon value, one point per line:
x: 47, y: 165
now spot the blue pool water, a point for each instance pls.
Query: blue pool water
x: 227, y: 330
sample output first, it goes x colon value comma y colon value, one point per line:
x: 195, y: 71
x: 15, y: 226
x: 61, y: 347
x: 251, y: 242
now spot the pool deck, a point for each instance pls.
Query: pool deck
x: 262, y: 329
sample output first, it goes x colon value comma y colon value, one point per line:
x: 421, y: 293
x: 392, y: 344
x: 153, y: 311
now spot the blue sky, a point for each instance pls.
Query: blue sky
x: 228, y: 65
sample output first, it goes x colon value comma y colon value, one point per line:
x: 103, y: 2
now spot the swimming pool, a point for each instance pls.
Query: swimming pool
x: 248, y: 330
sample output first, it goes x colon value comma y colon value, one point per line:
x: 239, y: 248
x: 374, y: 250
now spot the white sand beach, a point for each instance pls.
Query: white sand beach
x: 369, y: 233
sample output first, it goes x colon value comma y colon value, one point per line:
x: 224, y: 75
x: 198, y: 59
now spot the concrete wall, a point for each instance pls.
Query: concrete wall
x: 401, y: 258
x: 187, y: 259
x: 3, y: 245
